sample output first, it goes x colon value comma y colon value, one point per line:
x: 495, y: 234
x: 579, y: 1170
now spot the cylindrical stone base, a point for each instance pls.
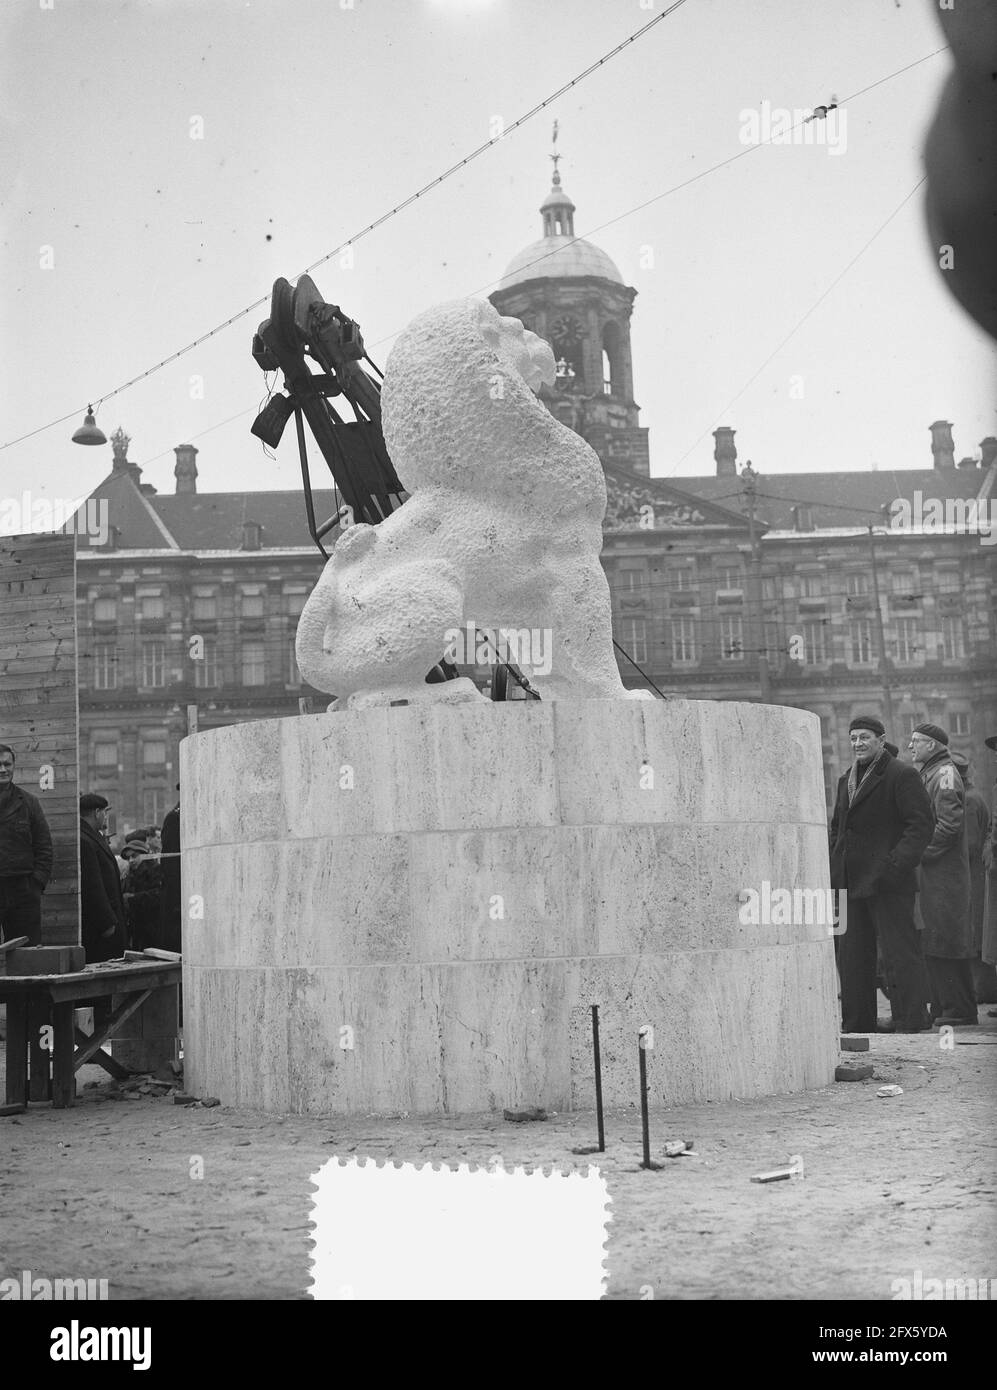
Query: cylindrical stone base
x: 413, y: 908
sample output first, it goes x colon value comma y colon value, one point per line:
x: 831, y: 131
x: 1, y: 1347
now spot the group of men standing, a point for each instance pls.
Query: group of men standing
x: 901, y: 840
x: 111, y: 911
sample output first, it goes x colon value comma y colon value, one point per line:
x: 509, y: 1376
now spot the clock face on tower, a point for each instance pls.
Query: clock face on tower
x: 566, y: 330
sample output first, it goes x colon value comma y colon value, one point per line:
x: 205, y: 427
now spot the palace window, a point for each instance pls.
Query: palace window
x: 105, y: 610
x: 151, y: 603
x: 953, y: 639
x: 856, y: 583
x: 105, y: 666
x: 295, y: 600
x: 206, y: 667
x: 154, y: 752
x: 685, y: 577
x: 860, y: 642
x: 153, y: 665
x: 205, y: 608
x: 154, y: 805
x: 948, y: 581
x: 959, y: 723
x: 634, y: 639
x: 815, y: 643
x: 251, y: 603
x: 632, y: 580
x: 729, y: 577
x: 907, y: 646
x: 683, y: 641
x: 105, y: 756
x: 253, y: 664
x: 731, y: 637
x: 811, y: 586
x: 293, y: 674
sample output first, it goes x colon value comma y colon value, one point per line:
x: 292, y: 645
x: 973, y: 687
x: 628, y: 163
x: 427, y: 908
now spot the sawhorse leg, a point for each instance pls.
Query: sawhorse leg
x: 63, y: 1040
x: 17, y: 1051
x: 39, y: 1071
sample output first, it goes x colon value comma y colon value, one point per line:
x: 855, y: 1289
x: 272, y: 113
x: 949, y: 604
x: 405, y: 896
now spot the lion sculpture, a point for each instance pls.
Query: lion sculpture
x: 502, y: 529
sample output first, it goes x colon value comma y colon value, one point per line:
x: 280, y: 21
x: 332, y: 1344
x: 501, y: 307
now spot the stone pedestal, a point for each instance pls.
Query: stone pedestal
x: 412, y: 908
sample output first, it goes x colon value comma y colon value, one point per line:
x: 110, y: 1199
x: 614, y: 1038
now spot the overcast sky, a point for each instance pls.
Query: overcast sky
x: 319, y: 116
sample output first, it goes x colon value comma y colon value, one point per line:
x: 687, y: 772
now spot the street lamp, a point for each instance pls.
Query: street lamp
x: 89, y: 432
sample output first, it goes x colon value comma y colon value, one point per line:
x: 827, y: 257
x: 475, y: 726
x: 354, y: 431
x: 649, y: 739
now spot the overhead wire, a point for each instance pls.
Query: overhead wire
x: 594, y: 231
x: 371, y: 226
x: 801, y: 321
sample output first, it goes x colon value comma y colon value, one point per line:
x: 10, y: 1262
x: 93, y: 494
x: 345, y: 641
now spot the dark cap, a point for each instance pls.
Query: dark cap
x: 933, y: 731
x: 868, y: 721
x: 92, y: 801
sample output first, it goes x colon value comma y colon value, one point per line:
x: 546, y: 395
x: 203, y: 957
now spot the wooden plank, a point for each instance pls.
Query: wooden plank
x: 17, y: 1051
x: 23, y: 674
x: 32, y: 649
x: 97, y: 1056
x: 59, y: 988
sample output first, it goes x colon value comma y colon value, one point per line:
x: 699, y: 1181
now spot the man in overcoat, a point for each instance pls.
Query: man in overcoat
x: 881, y: 823
x: 977, y: 836
x: 102, y: 904
x: 25, y: 856
x: 990, y: 906
x: 943, y: 902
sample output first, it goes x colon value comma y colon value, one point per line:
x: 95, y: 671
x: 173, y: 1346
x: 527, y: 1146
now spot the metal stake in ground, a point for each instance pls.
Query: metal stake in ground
x: 597, y: 1058
x: 645, y: 1039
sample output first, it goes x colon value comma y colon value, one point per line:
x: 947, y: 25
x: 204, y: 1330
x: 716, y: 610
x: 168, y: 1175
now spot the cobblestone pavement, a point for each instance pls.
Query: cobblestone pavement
x: 890, y: 1186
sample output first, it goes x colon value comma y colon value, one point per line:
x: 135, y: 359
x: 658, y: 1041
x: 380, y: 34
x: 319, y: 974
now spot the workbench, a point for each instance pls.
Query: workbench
x: 36, y: 1003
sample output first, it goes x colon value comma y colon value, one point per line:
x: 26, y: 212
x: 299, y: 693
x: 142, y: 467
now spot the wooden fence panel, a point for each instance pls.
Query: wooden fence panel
x: 39, y: 705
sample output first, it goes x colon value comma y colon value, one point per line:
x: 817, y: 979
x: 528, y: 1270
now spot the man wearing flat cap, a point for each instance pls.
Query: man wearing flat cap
x: 881, y: 824
x: 943, y: 902
x: 102, y: 905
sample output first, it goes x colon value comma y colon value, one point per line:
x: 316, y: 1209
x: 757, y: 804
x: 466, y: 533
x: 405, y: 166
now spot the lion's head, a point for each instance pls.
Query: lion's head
x: 458, y: 398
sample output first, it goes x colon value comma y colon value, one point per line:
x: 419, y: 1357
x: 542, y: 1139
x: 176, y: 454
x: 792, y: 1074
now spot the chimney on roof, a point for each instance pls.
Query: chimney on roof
x: 185, y: 469
x: 967, y: 462
x: 251, y: 536
x: 725, y: 451
x: 942, y: 448
x: 988, y: 451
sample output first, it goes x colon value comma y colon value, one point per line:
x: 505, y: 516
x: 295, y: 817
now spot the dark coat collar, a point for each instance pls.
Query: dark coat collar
x: 95, y: 837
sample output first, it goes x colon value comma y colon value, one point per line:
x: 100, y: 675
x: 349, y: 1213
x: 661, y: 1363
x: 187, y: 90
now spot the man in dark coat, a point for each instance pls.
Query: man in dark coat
x: 943, y: 902
x: 102, y: 902
x: 881, y: 824
x: 990, y: 905
x: 170, y: 934
x: 25, y: 856
x: 977, y: 836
